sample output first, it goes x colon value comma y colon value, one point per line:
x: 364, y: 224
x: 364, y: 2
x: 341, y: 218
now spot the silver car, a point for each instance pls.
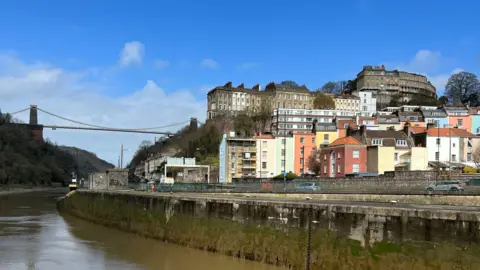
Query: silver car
x: 450, y: 186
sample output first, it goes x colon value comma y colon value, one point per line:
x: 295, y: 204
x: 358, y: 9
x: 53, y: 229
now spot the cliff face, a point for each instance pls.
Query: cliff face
x: 87, y: 162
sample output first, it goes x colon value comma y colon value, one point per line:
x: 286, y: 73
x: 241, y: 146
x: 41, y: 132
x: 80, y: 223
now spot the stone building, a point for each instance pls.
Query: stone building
x: 229, y: 100
x: 384, y: 84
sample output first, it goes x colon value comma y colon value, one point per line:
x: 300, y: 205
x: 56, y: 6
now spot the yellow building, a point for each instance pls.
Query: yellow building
x: 325, y: 133
x: 347, y: 103
x: 380, y: 159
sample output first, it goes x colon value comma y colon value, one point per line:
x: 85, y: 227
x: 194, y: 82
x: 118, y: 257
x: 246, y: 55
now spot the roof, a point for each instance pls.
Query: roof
x: 438, y: 113
x: 388, y: 119
x: 345, y: 141
x: 346, y: 97
x: 446, y: 132
x: 407, y: 116
x: 456, y: 108
x: 325, y: 126
x: 265, y: 136
x: 350, y: 123
x: 417, y: 130
x: 286, y: 87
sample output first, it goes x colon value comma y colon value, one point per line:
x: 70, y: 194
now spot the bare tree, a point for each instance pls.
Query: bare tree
x: 314, y: 162
x: 463, y: 87
x: 476, y: 156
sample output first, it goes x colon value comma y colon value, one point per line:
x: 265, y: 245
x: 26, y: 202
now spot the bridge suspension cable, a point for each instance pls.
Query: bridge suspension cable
x: 103, y: 127
x: 20, y: 111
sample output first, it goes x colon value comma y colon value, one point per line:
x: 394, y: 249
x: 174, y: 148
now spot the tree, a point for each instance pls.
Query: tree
x: 261, y: 116
x: 350, y: 86
x: 314, y: 162
x: 443, y: 100
x: 323, y: 101
x: 289, y: 82
x: 463, y: 87
x: 416, y: 100
x: 331, y: 87
x: 476, y: 156
x: 244, y: 124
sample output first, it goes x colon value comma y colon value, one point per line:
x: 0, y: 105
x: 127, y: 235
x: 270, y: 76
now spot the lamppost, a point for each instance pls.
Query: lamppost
x: 121, y: 155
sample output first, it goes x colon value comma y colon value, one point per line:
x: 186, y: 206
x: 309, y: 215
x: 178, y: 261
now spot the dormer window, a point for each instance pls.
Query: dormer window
x: 378, y: 142
x: 401, y: 143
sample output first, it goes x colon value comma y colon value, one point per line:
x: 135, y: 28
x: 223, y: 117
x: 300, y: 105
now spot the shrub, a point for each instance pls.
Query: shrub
x: 469, y: 169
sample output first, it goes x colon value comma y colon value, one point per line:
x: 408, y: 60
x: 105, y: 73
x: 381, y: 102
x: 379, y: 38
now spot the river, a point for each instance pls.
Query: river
x: 34, y: 236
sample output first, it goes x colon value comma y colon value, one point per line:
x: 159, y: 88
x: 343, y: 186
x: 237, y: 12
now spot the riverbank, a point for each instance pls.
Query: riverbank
x: 9, y: 190
x: 276, y: 231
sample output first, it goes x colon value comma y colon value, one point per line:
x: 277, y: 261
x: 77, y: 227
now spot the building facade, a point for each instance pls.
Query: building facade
x: 266, y: 156
x: 343, y: 156
x: 347, y: 103
x: 284, y: 154
x: 240, y: 158
x: 475, y: 116
x: 437, y: 117
x: 459, y: 117
x: 368, y: 103
x: 325, y: 134
x: 304, y: 144
x: 384, y: 84
x: 389, y: 121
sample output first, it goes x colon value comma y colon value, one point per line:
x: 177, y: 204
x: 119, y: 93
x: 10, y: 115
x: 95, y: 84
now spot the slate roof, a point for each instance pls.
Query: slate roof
x: 286, y: 87
x: 388, y: 137
x: 388, y: 119
x: 434, y: 113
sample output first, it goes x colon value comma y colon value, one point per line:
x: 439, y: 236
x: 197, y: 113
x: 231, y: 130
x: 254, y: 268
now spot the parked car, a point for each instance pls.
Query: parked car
x: 452, y: 186
x: 310, y: 187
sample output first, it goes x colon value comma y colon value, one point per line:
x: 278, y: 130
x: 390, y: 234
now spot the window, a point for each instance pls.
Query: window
x: 469, y: 156
x: 356, y: 168
x: 264, y: 155
x: 437, y: 156
x: 377, y: 142
x: 301, y: 160
x: 325, y: 157
x: 356, y: 153
x: 302, y: 150
x: 283, y: 152
x: 233, y: 165
x: 325, y: 169
x: 339, y: 155
x: 302, y: 139
x: 453, y: 144
x: 454, y: 157
x: 402, y: 143
x: 345, y: 125
x: 459, y: 122
x: 313, y: 140
x: 232, y: 156
x: 395, y: 156
x: 339, y: 168
x: 301, y: 170
x: 284, y: 141
x: 283, y: 163
x: 264, y: 165
x: 264, y: 143
x: 333, y: 155
x: 325, y: 137
x: 438, y: 141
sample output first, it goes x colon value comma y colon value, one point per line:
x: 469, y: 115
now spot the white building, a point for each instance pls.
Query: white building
x: 266, y: 156
x: 449, y: 147
x: 347, y: 103
x: 368, y: 104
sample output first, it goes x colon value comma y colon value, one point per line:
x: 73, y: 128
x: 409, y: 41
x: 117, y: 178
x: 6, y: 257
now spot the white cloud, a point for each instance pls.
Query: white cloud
x: 132, y: 54
x: 161, y: 64
x: 69, y: 94
x: 425, y: 61
x: 209, y: 63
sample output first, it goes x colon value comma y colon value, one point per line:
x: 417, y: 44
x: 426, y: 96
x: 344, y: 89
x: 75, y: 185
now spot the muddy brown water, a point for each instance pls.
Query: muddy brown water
x: 33, y: 235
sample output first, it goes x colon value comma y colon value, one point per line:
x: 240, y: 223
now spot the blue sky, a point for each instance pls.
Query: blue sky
x: 119, y: 50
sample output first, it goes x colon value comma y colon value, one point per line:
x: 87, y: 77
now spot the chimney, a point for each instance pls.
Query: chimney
x: 228, y: 85
x: 406, y: 129
x: 431, y: 125
x: 256, y: 87
x: 241, y: 86
x: 363, y: 130
x: 349, y: 131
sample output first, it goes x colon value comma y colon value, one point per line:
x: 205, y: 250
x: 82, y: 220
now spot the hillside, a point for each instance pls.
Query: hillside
x: 87, y: 162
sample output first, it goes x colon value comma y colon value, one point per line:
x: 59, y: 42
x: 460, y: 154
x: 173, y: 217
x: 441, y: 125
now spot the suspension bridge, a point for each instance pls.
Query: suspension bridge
x: 33, y: 123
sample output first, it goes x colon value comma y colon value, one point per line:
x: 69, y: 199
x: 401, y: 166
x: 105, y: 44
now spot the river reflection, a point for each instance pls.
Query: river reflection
x: 34, y: 236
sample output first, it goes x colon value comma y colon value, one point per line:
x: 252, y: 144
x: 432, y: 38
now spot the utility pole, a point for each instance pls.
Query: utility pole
x: 438, y: 150
x: 121, y: 156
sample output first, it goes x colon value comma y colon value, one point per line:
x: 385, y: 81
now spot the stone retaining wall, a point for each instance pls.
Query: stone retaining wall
x: 275, y: 232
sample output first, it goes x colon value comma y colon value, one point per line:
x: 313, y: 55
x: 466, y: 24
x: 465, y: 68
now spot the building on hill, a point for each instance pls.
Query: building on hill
x: 475, y: 117
x: 266, y: 156
x: 385, y: 84
x: 238, y: 157
x: 370, y: 123
x: 325, y: 133
x: 415, y: 119
x: 347, y: 103
x: 343, y: 125
x: 447, y: 147
x: 389, y: 121
x: 389, y: 150
x: 285, y: 154
x: 304, y: 144
x: 436, y: 116
x: 229, y: 100
x: 343, y: 156
x: 293, y: 120
x: 458, y: 116
x: 368, y: 103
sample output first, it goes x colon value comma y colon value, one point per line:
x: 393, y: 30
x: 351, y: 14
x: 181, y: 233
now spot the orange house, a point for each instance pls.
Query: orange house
x: 304, y: 144
x: 459, y: 117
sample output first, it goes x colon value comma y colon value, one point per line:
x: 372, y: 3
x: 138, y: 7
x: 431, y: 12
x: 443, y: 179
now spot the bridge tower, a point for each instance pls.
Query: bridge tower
x: 33, y: 115
x: 193, y: 124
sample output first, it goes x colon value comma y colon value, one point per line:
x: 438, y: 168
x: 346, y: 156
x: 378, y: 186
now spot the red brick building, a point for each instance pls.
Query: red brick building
x: 343, y: 156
